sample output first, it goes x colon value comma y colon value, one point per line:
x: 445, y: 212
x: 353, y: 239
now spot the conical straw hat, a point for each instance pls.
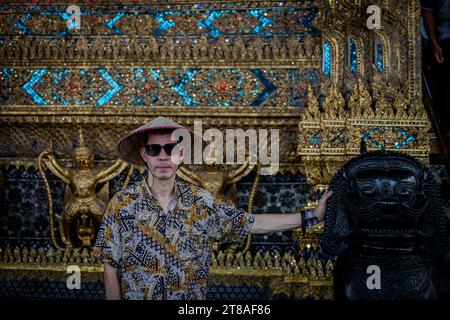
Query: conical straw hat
x: 128, y: 147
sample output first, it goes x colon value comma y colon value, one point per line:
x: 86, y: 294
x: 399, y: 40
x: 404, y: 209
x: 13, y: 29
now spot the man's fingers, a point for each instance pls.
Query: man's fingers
x: 327, y: 194
x: 439, y: 56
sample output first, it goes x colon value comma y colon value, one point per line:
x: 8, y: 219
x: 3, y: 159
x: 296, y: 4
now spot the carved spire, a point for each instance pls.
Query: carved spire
x: 384, y: 109
x: 81, y: 148
x: 312, y: 111
x: 360, y: 101
x: 80, y: 137
x: 334, y: 104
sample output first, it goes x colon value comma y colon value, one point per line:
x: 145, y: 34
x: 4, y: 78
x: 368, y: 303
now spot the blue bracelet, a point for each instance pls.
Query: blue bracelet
x: 312, y: 214
x: 310, y: 218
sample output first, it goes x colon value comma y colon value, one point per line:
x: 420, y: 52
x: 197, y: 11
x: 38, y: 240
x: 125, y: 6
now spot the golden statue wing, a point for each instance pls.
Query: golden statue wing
x: 240, y: 172
x: 189, y: 176
x: 111, y: 172
x: 56, y: 169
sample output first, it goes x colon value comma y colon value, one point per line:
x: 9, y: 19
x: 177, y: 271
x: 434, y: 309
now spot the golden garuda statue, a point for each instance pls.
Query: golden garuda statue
x: 216, y: 178
x: 84, y: 207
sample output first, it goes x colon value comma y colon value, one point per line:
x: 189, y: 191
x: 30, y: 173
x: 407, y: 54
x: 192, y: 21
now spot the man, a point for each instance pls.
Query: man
x: 156, y: 236
x: 436, y: 16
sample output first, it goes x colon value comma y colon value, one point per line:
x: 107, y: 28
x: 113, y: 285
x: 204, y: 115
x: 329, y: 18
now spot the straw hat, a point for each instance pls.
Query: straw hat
x: 129, y: 146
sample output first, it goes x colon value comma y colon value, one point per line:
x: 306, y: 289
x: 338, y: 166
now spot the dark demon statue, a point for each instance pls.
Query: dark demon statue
x: 386, y: 225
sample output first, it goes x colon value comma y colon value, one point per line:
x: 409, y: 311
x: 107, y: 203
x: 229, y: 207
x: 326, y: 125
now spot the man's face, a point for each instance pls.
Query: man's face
x: 162, y: 166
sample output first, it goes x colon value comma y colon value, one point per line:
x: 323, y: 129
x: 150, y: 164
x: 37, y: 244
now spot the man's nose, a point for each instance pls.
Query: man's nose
x: 163, y: 155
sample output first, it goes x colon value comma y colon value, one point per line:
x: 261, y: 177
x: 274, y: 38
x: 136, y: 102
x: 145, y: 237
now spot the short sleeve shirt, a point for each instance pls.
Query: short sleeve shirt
x: 441, y: 10
x: 166, y: 255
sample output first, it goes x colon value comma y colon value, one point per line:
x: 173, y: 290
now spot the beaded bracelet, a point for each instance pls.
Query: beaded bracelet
x: 310, y: 218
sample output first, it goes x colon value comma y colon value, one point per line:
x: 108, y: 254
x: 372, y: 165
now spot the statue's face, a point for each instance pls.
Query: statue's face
x: 386, y: 188
x: 84, y: 160
x: 385, y: 200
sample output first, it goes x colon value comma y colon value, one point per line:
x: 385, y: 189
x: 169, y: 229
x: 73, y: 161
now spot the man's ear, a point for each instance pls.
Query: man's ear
x: 181, y: 152
x: 143, y: 154
x: 179, y: 156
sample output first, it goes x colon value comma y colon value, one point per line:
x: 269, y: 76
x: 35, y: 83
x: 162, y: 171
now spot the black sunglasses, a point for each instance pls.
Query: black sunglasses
x: 154, y: 150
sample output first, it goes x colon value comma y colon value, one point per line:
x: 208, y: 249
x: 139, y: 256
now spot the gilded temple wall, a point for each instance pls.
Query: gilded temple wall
x: 311, y: 69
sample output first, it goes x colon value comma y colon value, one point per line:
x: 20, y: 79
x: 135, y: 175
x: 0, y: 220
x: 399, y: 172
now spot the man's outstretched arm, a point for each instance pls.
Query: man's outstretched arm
x: 267, y: 223
x: 112, y: 283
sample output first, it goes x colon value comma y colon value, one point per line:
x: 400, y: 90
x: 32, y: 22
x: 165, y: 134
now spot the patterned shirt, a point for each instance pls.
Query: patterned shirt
x: 166, y: 256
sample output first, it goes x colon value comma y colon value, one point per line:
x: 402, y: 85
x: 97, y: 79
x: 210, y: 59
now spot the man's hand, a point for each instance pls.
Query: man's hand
x: 437, y: 53
x: 112, y: 283
x: 322, y: 205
